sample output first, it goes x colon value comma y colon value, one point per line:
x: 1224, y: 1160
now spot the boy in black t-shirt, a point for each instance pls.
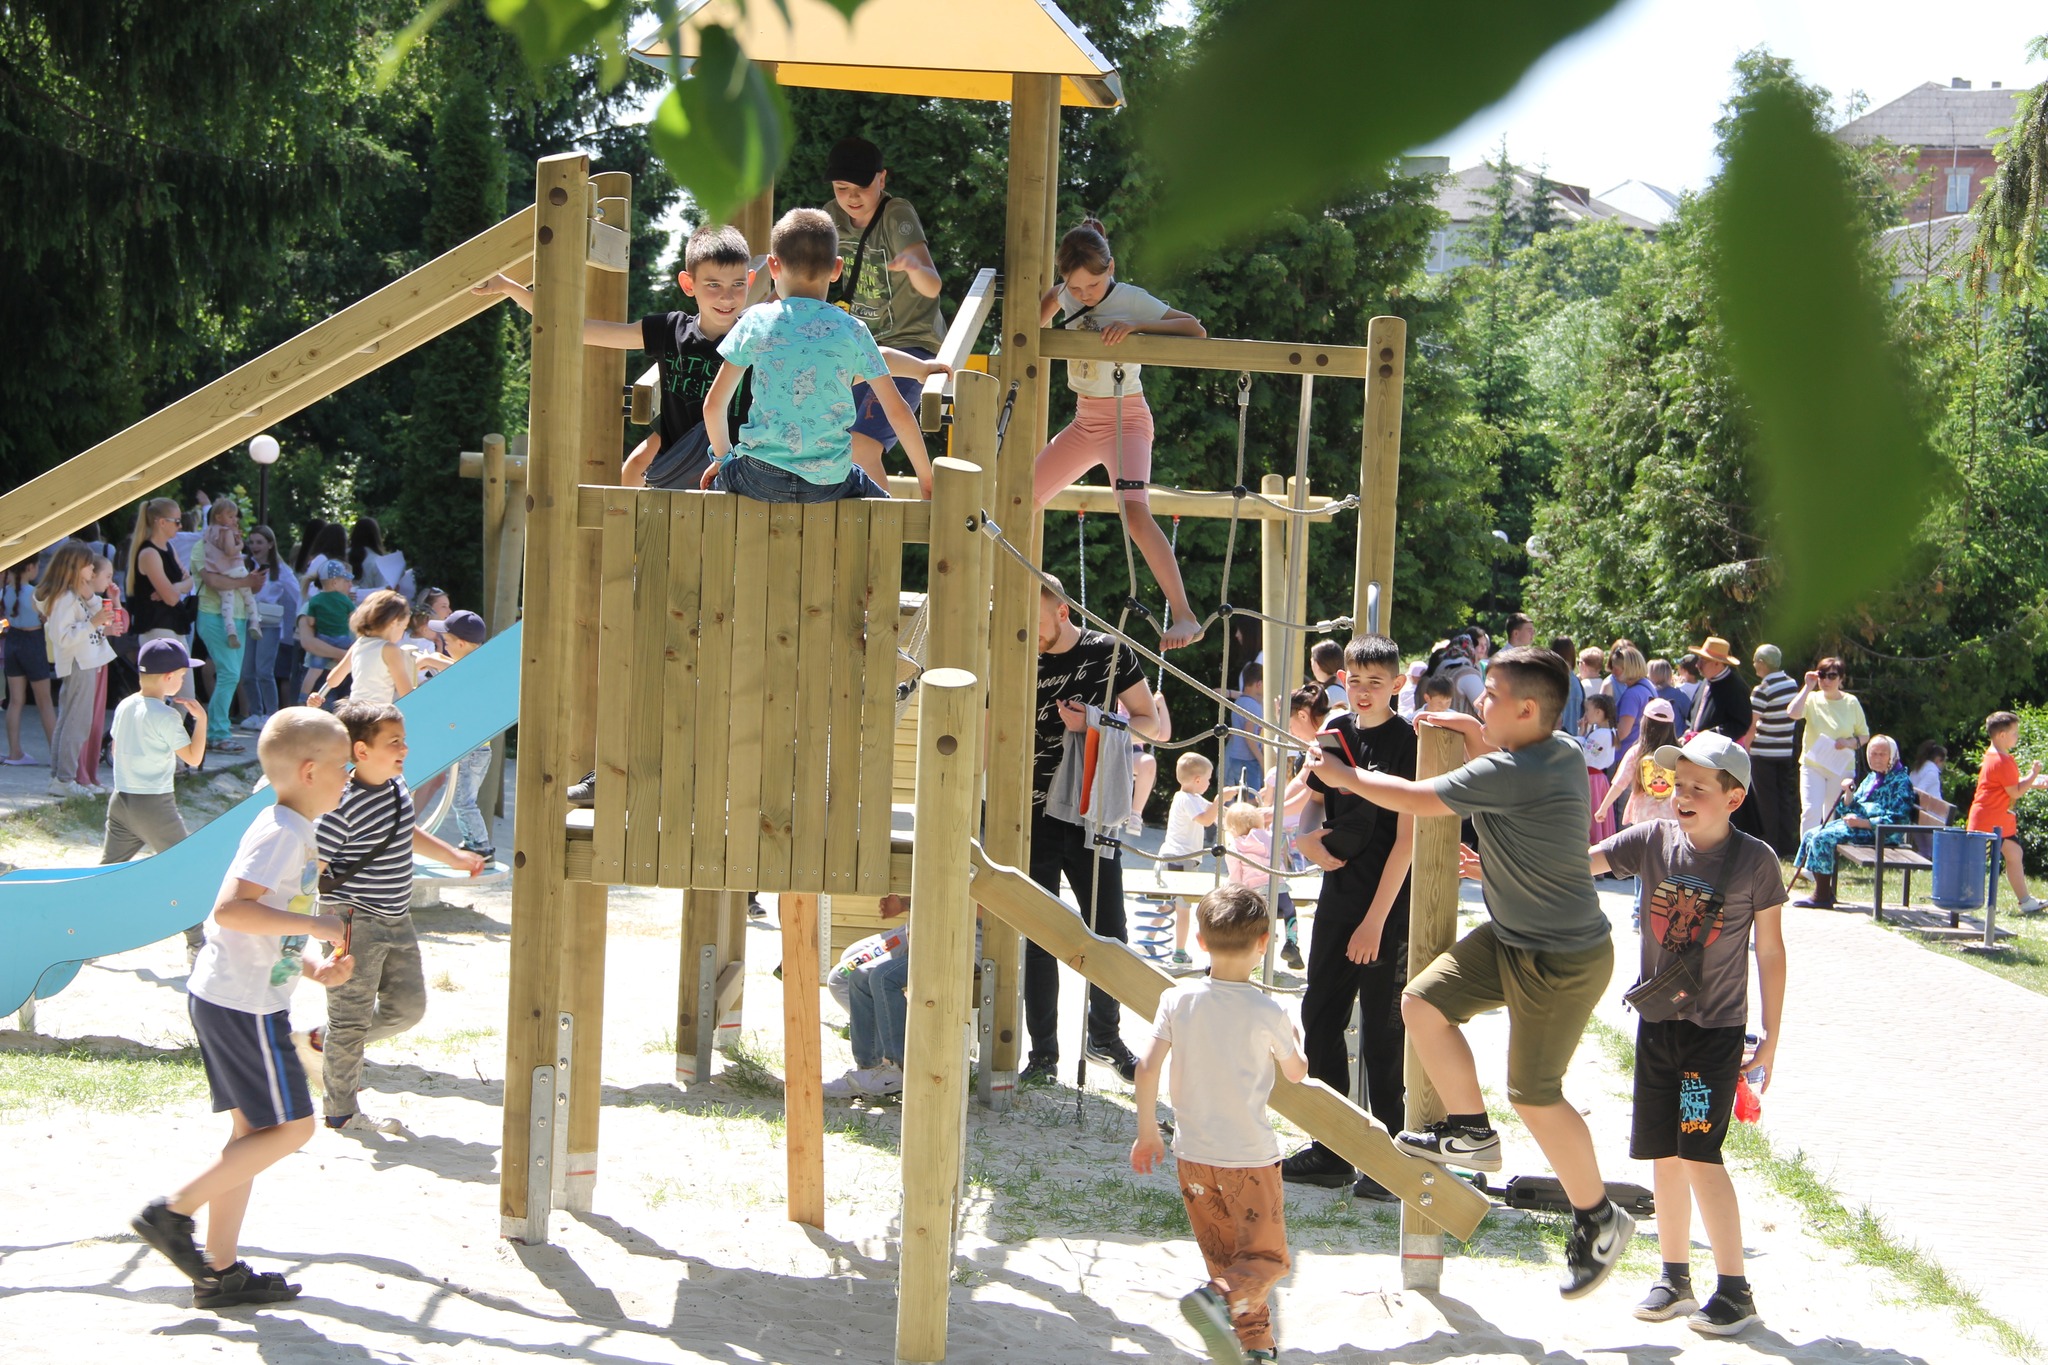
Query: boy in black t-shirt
x: 1359, y: 950
x: 1074, y: 673
x: 716, y: 273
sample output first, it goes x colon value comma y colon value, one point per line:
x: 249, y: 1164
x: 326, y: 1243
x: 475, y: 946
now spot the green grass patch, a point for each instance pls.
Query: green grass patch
x: 2023, y: 961
x: 752, y: 1067
x: 459, y: 1040
x: 45, y: 1082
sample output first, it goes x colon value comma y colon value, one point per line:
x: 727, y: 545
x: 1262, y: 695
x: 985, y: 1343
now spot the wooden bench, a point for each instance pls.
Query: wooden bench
x: 1880, y: 857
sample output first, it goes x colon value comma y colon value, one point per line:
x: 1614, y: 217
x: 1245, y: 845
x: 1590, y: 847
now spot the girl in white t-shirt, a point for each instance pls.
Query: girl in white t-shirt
x: 1596, y: 737
x: 381, y: 666
x: 1110, y: 398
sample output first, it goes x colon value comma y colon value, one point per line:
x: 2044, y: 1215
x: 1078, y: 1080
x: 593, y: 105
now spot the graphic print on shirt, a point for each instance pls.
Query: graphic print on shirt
x: 1684, y: 912
x: 291, y: 949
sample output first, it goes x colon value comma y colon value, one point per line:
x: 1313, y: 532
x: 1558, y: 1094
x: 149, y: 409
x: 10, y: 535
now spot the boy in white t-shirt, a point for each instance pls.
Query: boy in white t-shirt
x: 1191, y: 812
x: 240, y: 1003
x: 149, y: 740
x: 1225, y: 1035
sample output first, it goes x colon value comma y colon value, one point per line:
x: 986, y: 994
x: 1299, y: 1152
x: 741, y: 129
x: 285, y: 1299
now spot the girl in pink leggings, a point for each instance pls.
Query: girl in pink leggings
x: 1092, y: 299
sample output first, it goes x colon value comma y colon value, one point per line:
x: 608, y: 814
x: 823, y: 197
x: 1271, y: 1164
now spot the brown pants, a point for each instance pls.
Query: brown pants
x: 1239, y: 1215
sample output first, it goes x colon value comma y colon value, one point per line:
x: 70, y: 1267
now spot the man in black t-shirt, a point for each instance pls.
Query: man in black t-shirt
x: 1075, y: 669
x: 1359, y: 948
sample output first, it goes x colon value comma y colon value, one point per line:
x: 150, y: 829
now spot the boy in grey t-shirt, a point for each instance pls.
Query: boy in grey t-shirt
x: 1704, y: 886
x: 1544, y: 953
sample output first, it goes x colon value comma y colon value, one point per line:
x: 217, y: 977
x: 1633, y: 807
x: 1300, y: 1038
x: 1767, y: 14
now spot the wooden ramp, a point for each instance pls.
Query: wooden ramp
x: 1311, y: 1106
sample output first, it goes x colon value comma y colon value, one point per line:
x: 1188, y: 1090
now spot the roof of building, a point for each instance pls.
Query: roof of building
x: 1653, y: 203
x: 1462, y: 198
x: 1933, y: 246
x: 1934, y: 115
x: 937, y: 48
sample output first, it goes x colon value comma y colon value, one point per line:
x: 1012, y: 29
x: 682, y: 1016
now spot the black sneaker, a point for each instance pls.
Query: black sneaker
x: 1316, y: 1164
x: 1115, y: 1055
x: 1593, y: 1249
x: 1209, y: 1315
x: 171, y: 1234
x: 584, y: 794
x: 1475, y: 1149
x: 1039, y: 1071
x: 1666, y: 1301
x: 756, y: 910
x: 1724, y: 1314
x: 1365, y: 1187
x: 1290, y: 953
x: 239, y: 1284
x: 484, y: 851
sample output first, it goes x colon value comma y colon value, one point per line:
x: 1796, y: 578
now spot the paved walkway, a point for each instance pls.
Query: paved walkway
x: 1902, y: 1071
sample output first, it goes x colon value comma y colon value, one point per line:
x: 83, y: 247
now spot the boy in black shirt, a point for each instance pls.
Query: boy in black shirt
x: 1074, y: 672
x: 716, y: 273
x: 1359, y: 950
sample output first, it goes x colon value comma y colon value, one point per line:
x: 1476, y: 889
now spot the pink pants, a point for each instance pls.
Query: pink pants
x: 1090, y: 440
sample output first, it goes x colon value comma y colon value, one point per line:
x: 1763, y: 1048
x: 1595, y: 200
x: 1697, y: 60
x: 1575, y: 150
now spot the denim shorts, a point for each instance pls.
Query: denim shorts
x: 872, y: 421
x: 764, y: 482
x: 28, y: 655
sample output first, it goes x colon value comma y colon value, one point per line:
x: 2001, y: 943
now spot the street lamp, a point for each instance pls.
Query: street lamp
x: 1493, y: 589
x: 263, y: 450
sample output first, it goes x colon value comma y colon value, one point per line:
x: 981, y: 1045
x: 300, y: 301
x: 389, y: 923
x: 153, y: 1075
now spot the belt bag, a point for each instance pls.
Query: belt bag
x: 1664, y: 996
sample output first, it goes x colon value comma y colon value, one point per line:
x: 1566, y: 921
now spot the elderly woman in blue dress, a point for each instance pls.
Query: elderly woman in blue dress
x: 1884, y: 797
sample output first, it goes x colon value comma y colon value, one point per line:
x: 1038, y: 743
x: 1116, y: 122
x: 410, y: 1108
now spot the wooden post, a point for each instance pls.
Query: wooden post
x: 1432, y: 926
x: 540, y: 898
x: 510, y: 588
x: 1282, y: 650
x: 703, y: 928
x: 1379, y: 477
x: 803, y: 1078
x: 957, y: 583
x: 494, y: 521
x: 1013, y: 633
x: 583, y: 946
x: 941, y: 976
x: 755, y: 219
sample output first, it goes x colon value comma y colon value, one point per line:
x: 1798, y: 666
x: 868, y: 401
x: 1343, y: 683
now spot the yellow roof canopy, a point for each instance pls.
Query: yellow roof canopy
x: 949, y: 49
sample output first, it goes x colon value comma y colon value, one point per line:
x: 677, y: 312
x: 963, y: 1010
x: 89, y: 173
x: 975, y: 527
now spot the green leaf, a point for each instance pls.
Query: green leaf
x: 1291, y: 100
x: 407, y: 39
x: 1807, y: 342
x: 724, y: 132
x: 551, y: 31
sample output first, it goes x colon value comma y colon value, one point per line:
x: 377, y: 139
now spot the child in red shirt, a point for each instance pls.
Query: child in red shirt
x: 1999, y: 784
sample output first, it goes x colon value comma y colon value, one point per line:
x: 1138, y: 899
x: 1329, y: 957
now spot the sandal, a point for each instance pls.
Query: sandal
x: 228, y: 746
x: 238, y: 1284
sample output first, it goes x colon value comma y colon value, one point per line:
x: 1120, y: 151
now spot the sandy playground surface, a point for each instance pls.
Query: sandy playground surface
x: 1067, y: 1255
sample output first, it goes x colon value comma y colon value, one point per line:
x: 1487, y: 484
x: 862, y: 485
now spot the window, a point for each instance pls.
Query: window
x: 1958, y: 191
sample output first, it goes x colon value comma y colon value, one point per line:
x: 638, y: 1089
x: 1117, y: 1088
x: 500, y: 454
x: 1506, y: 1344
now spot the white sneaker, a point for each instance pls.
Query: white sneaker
x: 2033, y: 905
x: 64, y: 788
x: 359, y: 1122
x: 883, y: 1078
x: 251, y: 723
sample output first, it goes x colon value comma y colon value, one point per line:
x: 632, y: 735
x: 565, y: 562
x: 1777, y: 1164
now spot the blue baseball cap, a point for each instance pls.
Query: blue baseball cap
x: 161, y: 656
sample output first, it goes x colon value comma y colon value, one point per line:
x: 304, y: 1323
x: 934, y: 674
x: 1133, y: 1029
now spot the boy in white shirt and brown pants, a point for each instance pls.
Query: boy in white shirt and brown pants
x: 1225, y: 1035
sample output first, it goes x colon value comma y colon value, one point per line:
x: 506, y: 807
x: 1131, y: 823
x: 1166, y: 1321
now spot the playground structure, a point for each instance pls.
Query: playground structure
x: 743, y: 723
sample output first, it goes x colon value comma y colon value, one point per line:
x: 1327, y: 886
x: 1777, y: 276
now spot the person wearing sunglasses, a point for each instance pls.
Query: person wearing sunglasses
x: 1835, y: 731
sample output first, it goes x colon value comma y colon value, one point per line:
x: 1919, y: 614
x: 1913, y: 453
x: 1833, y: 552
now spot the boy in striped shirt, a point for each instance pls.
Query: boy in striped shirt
x: 366, y: 848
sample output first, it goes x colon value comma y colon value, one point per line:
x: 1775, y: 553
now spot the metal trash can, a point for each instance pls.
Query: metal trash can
x: 1962, y: 867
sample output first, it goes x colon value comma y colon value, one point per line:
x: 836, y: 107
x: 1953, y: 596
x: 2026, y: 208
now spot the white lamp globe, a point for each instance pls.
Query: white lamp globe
x: 263, y: 450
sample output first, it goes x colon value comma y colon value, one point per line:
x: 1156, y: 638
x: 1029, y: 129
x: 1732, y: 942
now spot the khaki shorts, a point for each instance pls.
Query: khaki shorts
x: 1549, y: 997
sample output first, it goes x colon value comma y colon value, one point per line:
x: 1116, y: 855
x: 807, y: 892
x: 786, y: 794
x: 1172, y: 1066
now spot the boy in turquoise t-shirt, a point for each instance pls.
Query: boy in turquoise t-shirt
x: 807, y: 356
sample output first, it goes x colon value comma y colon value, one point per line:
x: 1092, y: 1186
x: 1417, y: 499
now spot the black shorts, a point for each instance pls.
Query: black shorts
x: 1685, y: 1090
x: 251, y: 1064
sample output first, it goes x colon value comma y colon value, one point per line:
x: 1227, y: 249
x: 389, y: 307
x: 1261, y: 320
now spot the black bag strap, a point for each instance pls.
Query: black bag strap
x: 333, y: 881
x: 1070, y: 320
x: 851, y: 280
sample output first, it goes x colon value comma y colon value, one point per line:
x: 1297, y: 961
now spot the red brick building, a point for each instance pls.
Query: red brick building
x: 1955, y: 128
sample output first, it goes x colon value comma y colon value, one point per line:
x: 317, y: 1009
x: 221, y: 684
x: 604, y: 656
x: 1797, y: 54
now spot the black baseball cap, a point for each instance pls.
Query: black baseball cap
x: 463, y: 625
x: 161, y: 656
x: 855, y: 160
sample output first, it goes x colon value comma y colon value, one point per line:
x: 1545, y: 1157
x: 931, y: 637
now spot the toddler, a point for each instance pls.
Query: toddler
x: 1596, y: 737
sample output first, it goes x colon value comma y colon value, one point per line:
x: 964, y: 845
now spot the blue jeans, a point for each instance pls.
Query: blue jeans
x: 1241, y: 765
x: 469, y: 775
x: 877, y: 1006
x: 764, y: 482
x: 261, y: 670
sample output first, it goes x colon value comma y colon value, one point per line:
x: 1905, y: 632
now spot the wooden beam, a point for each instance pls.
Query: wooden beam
x: 610, y: 249
x: 958, y: 344
x: 1432, y: 927
x: 644, y: 400
x: 540, y: 908
x: 1211, y: 353
x: 1379, y: 475
x: 325, y: 357
x: 507, y: 593
x: 1096, y: 498
x: 1313, y: 1107
x: 491, y: 468
x: 470, y: 464
x: 1013, y: 637
x: 916, y: 514
x: 941, y: 980
x: 803, y: 1066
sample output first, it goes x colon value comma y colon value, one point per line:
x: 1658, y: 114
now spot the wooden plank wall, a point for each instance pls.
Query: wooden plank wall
x: 747, y: 676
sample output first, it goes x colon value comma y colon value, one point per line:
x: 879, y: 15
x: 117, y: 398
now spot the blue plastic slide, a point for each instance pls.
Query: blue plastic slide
x: 52, y: 921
